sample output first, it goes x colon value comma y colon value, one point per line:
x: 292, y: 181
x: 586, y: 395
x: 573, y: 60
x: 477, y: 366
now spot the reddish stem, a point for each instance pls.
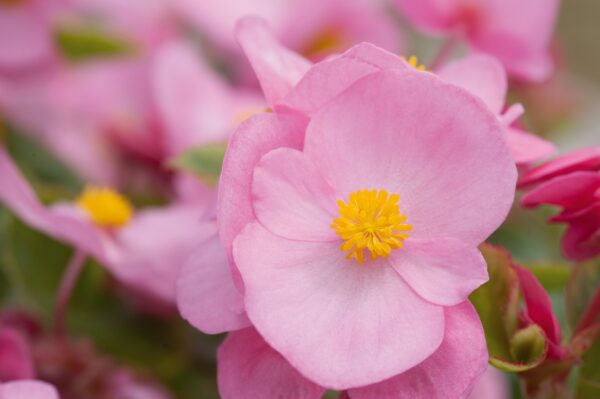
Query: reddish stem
x: 65, y: 292
x: 443, y: 53
x: 344, y: 395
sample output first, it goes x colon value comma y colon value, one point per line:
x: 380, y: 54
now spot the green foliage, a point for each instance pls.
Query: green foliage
x: 497, y: 303
x: 78, y: 42
x: 205, y: 162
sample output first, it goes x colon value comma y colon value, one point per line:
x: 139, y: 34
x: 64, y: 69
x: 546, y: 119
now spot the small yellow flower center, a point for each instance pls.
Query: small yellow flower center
x: 413, y: 61
x: 371, y: 219
x: 328, y: 41
x: 106, y: 207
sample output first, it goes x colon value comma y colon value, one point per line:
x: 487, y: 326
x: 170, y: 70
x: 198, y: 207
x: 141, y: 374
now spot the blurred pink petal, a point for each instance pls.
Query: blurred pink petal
x: 311, y: 27
x: 196, y: 105
x: 519, y: 39
x: 206, y: 294
x: 249, y: 368
x: 277, y: 68
x: 146, y: 253
x: 16, y: 362
x: 26, y: 36
x: 27, y: 389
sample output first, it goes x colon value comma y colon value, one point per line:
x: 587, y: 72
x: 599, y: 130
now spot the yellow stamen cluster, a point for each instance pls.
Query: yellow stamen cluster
x: 413, y: 61
x: 371, y: 219
x: 106, y: 207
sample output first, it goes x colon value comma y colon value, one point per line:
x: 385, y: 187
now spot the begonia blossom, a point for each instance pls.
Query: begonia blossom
x: 515, y: 32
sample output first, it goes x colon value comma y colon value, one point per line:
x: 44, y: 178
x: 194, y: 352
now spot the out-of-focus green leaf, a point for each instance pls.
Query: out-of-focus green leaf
x: 51, y: 178
x: 588, y: 386
x: 553, y: 277
x: 79, y: 42
x: 205, y: 162
x: 497, y: 302
x: 584, y: 282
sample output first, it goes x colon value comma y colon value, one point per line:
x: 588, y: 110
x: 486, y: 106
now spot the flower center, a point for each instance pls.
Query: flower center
x: 330, y: 40
x: 106, y: 207
x: 371, y: 219
x: 413, y: 61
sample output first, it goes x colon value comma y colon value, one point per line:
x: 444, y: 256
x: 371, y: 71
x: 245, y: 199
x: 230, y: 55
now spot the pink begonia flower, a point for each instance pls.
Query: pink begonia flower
x: 195, y: 104
x: 485, y: 77
x: 366, y: 125
x: 247, y: 365
x: 26, y: 36
x: 517, y: 33
x: 312, y: 27
x: 538, y: 310
x: 27, y: 389
x: 493, y: 385
x: 143, y: 250
x: 15, y: 355
x: 571, y: 182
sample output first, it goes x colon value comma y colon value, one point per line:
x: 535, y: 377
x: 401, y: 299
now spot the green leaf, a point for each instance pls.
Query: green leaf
x: 584, y: 282
x: 588, y: 386
x: 79, y: 42
x: 205, y: 162
x: 497, y: 302
x: 552, y: 276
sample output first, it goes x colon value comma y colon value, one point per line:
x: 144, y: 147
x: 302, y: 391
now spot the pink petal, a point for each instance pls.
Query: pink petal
x: 27, y: 389
x: 432, y: 143
x: 493, y: 385
x: 195, y: 103
x: 573, y: 191
x: 20, y: 198
x: 539, y: 307
x: 277, y: 68
x: 206, y: 295
x: 586, y: 159
x: 329, y: 316
x: 329, y: 78
x: 520, y: 40
x: 527, y: 147
x: 582, y: 238
x: 432, y: 16
x: 249, y: 368
x: 451, y: 372
x: 152, y: 247
x: 443, y: 272
x: 291, y: 199
x: 482, y: 76
x: 25, y: 36
x: 254, y: 138
x: 16, y: 361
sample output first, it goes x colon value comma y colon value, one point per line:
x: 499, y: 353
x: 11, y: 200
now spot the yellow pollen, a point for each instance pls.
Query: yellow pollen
x: 106, y: 207
x: 413, y: 61
x: 371, y: 219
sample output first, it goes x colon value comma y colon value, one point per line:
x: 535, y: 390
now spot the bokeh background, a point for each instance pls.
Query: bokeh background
x: 162, y: 347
